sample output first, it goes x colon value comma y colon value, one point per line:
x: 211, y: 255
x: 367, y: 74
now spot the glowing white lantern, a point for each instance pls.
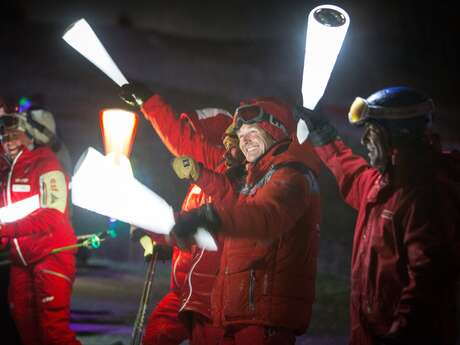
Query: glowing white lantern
x: 82, y: 38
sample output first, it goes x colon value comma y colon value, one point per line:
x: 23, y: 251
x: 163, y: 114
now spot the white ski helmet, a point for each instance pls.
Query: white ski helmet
x: 39, y: 124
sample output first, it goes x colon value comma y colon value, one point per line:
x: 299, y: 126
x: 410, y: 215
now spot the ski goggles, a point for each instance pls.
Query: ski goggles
x: 250, y: 114
x: 361, y: 110
x: 10, y: 123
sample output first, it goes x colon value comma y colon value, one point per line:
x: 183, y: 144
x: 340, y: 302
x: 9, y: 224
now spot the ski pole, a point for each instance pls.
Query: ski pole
x: 138, y: 327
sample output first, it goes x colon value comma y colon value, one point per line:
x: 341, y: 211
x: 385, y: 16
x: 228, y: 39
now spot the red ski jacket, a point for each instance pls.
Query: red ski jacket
x: 270, y: 233
x: 181, y: 139
x: 35, y: 235
x: 402, y: 275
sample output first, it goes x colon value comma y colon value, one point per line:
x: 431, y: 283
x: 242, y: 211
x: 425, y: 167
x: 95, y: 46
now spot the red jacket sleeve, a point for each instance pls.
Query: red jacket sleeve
x: 352, y: 172
x: 178, y: 137
x: 41, y: 221
x: 275, y: 208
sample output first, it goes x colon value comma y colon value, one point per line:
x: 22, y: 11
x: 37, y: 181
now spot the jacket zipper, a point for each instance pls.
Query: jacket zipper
x: 174, y: 269
x: 252, y: 283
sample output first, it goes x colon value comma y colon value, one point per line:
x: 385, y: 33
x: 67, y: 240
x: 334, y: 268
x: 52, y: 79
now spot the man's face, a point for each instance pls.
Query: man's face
x: 13, y: 141
x: 254, y: 141
x: 376, y: 144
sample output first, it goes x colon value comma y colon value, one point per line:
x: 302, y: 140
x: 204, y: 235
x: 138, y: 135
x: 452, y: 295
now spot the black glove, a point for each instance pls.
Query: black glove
x: 135, y: 94
x: 164, y: 253
x: 187, y: 224
x: 135, y: 234
x: 321, y: 131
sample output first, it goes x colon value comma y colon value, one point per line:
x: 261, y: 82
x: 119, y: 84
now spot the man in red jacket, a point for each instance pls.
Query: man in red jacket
x: 193, y: 271
x: 270, y: 229
x: 34, y: 220
x: 197, y: 134
x: 405, y: 259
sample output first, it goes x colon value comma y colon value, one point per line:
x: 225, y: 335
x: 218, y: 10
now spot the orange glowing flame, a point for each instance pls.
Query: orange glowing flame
x: 118, y: 130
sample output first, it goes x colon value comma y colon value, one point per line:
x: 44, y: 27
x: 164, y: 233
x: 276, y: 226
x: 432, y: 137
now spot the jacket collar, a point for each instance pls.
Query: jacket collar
x: 288, y: 150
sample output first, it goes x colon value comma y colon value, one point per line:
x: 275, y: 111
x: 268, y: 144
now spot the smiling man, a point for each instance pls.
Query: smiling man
x: 270, y: 229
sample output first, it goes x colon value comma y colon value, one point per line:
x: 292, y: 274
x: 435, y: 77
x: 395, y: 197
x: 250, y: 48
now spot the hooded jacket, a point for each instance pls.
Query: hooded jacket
x: 270, y: 230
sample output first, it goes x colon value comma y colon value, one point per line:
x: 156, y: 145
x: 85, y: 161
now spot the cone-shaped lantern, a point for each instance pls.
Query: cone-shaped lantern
x: 82, y: 38
x: 118, y: 128
x: 105, y: 187
x: 101, y: 185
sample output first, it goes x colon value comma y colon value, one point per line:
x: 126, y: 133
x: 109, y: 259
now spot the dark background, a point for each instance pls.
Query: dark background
x: 199, y: 54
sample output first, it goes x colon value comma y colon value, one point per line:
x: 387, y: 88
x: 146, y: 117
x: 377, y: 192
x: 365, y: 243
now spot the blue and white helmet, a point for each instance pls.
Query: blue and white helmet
x: 400, y: 110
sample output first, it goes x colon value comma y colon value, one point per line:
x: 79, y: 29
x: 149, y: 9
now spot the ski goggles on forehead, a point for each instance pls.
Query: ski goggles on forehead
x: 361, y: 110
x: 250, y: 114
x: 9, y: 122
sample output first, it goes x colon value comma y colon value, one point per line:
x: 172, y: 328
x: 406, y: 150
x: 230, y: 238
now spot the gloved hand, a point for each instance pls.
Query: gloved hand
x: 320, y: 130
x: 135, y: 94
x: 233, y: 155
x: 147, y: 243
x: 187, y: 224
x: 186, y: 168
x: 230, y: 139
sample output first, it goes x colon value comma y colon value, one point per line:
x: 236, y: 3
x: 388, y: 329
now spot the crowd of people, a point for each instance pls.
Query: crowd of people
x: 254, y: 187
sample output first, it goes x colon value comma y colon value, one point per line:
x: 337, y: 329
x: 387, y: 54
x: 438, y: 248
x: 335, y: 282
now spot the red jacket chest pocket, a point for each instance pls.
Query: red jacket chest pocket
x: 382, y: 233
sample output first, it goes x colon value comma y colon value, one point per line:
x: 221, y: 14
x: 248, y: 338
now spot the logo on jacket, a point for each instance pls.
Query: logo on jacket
x: 387, y: 214
x: 53, y: 190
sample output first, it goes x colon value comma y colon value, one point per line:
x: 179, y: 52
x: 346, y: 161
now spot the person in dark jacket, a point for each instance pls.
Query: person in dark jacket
x: 405, y: 257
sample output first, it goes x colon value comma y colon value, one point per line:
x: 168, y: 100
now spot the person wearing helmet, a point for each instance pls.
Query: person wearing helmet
x: 198, y: 135
x: 42, y: 128
x: 269, y: 226
x: 405, y: 256
x: 35, y: 221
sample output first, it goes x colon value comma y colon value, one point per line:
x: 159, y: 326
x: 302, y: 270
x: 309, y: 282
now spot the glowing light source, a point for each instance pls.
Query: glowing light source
x: 102, y: 186
x: 20, y: 209
x: 118, y: 129
x: 326, y: 30
x: 82, y: 38
x: 24, y: 104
